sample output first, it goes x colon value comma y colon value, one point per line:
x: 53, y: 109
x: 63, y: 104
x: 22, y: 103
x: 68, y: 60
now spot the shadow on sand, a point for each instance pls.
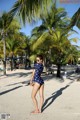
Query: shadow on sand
x: 54, y: 96
x: 27, y: 82
x: 24, y: 82
x: 4, y: 92
x: 19, y: 74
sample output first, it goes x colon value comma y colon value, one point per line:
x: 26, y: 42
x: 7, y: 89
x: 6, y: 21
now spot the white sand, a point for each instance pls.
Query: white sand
x: 15, y: 98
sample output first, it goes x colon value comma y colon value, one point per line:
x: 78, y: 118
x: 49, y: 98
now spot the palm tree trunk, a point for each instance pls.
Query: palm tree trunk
x: 58, y: 70
x: 4, y: 51
x: 45, y: 67
x: 29, y: 52
x: 11, y: 63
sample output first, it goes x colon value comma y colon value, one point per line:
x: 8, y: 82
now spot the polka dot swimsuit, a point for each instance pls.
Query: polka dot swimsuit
x: 37, y: 76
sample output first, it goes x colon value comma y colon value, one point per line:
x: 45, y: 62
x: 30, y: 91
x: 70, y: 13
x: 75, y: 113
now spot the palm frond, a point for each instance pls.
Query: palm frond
x: 29, y: 10
x: 75, y: 20
x: 40, y: 40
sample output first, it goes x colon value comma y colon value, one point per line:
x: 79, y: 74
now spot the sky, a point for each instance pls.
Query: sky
x: 71, y: 6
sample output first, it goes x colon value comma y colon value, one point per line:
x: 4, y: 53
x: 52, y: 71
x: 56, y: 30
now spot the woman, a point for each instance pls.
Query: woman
x: 38, y: 84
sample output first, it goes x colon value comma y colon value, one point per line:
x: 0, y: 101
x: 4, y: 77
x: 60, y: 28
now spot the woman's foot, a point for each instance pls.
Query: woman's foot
x: 35, y: 112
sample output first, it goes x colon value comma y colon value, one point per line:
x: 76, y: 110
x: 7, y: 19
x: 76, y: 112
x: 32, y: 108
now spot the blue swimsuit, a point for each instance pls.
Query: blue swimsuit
x: 37, y: 76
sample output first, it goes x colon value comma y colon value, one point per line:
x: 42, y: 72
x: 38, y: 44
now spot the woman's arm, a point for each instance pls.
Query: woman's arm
x: 32, y: 76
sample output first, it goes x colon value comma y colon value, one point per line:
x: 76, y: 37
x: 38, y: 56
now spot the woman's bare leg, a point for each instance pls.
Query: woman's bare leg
x: 41, y: 93
x: 33, y: 95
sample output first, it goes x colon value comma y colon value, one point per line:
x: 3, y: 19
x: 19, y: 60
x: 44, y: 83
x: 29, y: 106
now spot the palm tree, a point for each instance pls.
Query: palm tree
x: 4, y: 22
x: 55, y: 19
x: 27, y: 49
x: 63, y: 52
x: 72, y: 55
x: 52, y: 31
x: 14, y: 47
x: 1, y: 49
x: 6, y: 31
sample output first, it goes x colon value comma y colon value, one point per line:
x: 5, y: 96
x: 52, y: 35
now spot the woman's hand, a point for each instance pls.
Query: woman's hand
x: 31, y: 83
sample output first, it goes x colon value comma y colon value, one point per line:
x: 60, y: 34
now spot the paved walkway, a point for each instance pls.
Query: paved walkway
x: 62, y: 99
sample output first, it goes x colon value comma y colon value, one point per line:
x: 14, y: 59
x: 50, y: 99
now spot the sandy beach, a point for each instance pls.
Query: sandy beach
x: 62, y: 99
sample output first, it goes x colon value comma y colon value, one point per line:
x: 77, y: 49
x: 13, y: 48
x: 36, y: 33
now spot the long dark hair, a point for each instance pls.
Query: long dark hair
x: 40, y: 56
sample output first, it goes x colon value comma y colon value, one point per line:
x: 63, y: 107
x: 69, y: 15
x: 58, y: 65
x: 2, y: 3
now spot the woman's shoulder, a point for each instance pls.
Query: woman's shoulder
x: 38, y: 65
